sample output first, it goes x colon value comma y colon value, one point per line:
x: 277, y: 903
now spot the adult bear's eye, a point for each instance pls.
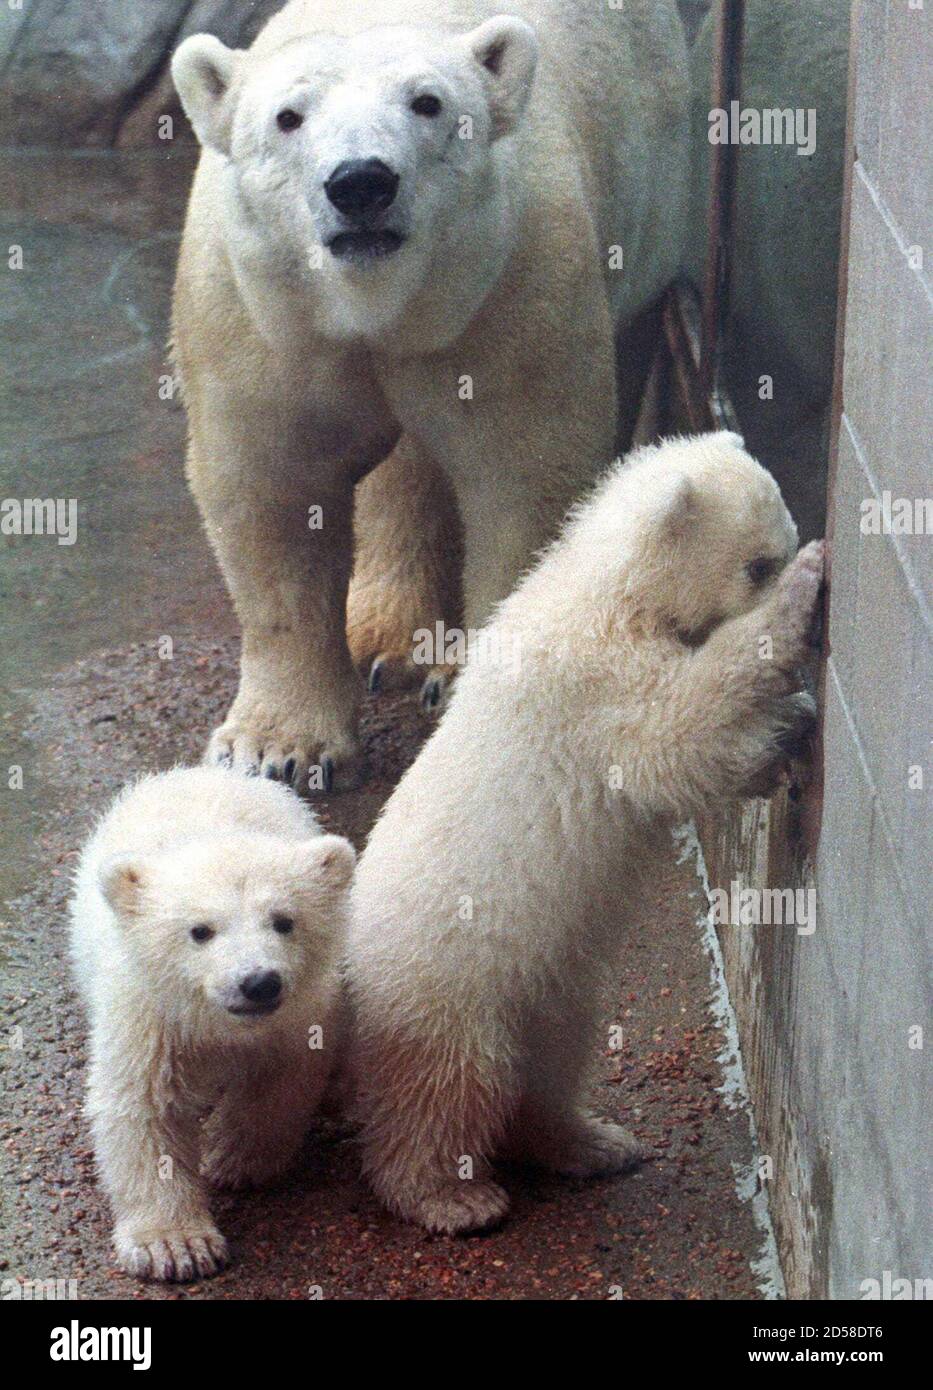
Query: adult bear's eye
x: 201, y: 932
x: 289, y: 119
x: 282, y: 924
x: 428, y: 105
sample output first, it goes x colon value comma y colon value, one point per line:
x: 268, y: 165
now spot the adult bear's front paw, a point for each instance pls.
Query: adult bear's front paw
x: 262, y: 739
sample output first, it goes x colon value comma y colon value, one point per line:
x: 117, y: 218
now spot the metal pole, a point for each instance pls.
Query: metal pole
x: 726, y: 89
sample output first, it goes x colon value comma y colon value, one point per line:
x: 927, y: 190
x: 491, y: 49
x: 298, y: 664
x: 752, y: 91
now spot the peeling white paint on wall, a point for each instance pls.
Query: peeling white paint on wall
x: 734, y: 1089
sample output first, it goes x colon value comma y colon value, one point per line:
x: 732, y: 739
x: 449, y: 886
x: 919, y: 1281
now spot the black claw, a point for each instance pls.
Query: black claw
x: 327, y: 770
x: 272, y: 772
x: 375, y: 678
x: 225, y: 759
x: 288, y: 771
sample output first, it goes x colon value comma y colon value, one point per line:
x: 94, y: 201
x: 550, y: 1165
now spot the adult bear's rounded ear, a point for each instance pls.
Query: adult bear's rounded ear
x: 507, y: 51
x: 203, y: 69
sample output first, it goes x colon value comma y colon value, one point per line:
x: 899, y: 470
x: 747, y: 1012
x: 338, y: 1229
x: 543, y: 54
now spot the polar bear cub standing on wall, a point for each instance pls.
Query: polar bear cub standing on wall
x: 660, y: 641
x: 207, y: 921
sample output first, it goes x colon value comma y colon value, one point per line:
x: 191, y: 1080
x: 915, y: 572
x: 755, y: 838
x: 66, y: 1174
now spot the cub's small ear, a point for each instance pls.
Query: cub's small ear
x: 203, y: 69
x: 507, y: 51
x: 677, y: 507
x: 121, y: 880
x: 735, y: 441
x: 328, y: 859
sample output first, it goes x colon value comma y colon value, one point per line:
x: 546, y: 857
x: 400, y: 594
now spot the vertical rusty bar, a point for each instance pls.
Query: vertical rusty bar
x: 726, y: 90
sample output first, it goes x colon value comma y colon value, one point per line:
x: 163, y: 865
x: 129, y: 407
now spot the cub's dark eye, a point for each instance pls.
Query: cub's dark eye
x: 201, y: 933
x: 760, y: 571
x: 283, y: 925
x: 427, y: 105
x: 289, y: 119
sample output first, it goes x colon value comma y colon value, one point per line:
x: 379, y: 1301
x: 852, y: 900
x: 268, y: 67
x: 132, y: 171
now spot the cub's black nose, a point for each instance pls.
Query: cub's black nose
x: 262, y: 987
x: 358, y: 187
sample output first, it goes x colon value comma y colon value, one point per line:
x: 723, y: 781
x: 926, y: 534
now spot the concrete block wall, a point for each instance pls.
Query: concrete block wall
x: 874, y: 867
x: 843, y: 1093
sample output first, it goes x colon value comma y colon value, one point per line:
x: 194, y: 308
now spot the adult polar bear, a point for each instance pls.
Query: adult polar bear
x: 404, y: 234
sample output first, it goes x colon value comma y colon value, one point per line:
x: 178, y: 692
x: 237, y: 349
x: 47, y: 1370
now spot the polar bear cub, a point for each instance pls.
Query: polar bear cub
x: 207, y: 921
x: 660, y: 639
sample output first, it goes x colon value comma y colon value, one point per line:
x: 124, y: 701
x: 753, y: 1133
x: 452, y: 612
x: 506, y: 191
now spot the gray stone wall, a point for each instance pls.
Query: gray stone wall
x: 94, y: 73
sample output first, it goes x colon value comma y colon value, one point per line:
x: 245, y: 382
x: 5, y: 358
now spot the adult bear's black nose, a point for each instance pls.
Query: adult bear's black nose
x: 358, y: 187
x: 262, y: 987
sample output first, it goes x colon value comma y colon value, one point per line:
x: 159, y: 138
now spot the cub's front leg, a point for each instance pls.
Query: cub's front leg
x: 282, y: 532
x: 146, y: 1143
x: 257, y: 1127
x: 783, y: 716
x: 739, y: 712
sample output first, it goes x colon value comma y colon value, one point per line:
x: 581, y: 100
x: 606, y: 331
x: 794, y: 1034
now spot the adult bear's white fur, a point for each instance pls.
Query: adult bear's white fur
x: 541, y: 209
x: 203, y: 848
x: 493, y: 889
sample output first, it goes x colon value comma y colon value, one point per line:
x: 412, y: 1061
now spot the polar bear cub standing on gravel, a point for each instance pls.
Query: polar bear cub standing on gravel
x: 660, y: 642
x: 207, y: 923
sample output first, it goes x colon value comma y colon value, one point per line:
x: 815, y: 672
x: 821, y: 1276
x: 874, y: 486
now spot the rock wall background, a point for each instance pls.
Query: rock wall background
x: 94, y: 73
